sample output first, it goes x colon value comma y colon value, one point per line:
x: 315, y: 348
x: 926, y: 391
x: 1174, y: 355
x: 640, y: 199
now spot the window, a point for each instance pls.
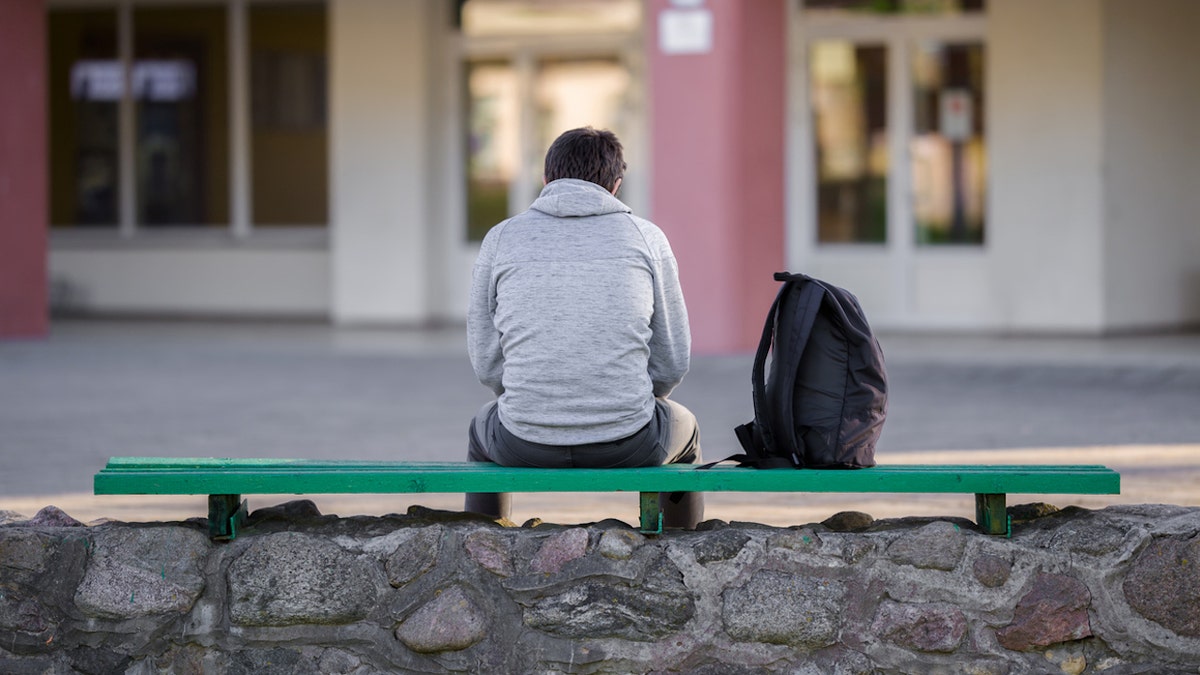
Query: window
x: 151, y: 140
x: 947, y: 151
x: 853, y: 7
x: 86, y: 85
x: 849, y: 100
x: 492, y: 144
x: 288, y: 139
x: 181, y: 86
x: 896, y: 125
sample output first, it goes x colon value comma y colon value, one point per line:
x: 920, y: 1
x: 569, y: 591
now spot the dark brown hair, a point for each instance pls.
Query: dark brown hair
x: 589, y: 154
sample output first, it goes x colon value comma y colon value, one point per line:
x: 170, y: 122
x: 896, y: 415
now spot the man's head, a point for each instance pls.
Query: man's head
x: 587, y: 154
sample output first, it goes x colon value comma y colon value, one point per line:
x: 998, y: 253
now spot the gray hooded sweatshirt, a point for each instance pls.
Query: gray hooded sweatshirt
x: 576, y: 318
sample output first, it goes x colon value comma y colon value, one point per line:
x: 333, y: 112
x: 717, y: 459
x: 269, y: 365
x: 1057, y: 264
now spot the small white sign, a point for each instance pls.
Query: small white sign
x: 685, y: 31
x: 956, y: 114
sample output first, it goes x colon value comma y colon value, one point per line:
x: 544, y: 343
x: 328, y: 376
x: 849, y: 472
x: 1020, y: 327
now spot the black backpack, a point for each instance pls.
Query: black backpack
x: 823, y: 403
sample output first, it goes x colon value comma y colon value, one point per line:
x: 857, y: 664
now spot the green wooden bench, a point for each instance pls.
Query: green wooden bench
x: 226, y: 480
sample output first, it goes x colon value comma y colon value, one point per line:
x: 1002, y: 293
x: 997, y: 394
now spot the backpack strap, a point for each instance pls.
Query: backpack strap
x: 854, y: 323
x: 770, y: 440
x: 799, y: 313
x: 752, y: 462
x: 756, y: 436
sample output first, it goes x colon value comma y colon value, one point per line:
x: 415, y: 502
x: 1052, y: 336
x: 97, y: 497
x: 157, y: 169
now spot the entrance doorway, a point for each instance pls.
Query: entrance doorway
x: 888, y: 155
x: 532, y: 70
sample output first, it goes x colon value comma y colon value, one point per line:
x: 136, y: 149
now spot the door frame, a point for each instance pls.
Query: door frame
x: 898, y: 257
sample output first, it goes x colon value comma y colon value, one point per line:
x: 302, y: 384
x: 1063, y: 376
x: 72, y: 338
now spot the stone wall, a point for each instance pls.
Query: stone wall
x: 1073, y: 591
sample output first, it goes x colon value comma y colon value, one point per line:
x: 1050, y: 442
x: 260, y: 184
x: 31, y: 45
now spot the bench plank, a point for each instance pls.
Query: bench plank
x: 226, y: 479
x: 241, y: 476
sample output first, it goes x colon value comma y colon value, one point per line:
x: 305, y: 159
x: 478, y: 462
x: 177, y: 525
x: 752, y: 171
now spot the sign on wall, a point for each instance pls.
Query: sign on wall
x: 686, y: 28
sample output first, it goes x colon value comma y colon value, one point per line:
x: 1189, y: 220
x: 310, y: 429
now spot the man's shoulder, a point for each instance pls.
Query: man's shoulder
x: 652, y: 234
x: 491, y: 240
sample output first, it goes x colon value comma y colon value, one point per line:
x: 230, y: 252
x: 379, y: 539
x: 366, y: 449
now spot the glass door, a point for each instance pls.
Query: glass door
x: 516, y: 108
x: 850, y: 138
x: 533, y: 70
x: 887, y: 147
x: 947, y: 152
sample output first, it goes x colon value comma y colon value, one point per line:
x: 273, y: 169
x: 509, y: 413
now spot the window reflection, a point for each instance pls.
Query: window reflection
x: 86, y: 86
x: 288, y: 92
x: 492, y: 144
x: 179, y: 84
x: 948, y: 151
x: 566, y: 93
x: 577, y: 93
x: 849, y: 98
x: 182, y: 141
x: 894, y: 6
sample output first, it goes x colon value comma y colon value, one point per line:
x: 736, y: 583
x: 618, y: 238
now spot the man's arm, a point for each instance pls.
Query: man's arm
x: 483, y: 340
x: 671, y: 339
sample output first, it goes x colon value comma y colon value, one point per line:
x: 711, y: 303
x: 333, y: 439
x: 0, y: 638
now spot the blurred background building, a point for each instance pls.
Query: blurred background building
x: 980, y: 165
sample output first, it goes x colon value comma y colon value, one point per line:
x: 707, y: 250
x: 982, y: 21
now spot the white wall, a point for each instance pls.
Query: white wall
x: 1045, y: 138
x: 1152, y: 163
x: 453, y: 256
x: 379, y: 125
x: 192, y: 280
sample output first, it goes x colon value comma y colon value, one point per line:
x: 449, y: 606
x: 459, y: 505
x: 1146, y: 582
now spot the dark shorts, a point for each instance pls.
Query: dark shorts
x: 670, y: 437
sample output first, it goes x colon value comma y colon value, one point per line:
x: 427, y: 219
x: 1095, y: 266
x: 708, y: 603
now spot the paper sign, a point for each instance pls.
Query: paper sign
x: 685, y: 31
x: 956, y: 114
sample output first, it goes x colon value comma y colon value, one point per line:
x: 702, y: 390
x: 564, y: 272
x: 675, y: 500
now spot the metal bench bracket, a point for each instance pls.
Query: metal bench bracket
x: 652, y: 517
x: 991, y: 514
x: 226, y: 515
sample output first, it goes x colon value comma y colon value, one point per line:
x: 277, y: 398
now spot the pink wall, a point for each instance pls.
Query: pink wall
x: 23, y: 168
x: 718, y: 180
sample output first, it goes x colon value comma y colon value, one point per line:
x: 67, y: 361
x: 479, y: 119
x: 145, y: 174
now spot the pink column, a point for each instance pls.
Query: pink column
x: 718, y: 181
x: 23, y: 169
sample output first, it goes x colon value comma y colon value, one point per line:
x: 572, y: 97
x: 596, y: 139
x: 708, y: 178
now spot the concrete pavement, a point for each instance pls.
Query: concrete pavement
x: 100, y: 388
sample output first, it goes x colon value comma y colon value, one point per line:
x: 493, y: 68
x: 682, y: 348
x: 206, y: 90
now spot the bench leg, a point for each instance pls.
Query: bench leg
x: 991, y: 514
x: 226, y: 513
x: 652, y: 517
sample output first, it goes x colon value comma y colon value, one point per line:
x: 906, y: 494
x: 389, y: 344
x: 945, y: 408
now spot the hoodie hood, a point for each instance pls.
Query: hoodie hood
x: 571, y: 197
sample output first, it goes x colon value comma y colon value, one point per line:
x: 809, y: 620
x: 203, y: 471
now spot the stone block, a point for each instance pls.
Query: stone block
x: 720, y: 545
x: 1053, y: 610
x: 415, y: 556
x: 25, y: 550
x: 934, y: 627
x: 643, y: 609
x: 290, y: 578
x: 40, y: 572
x: 938, y: 545
x: 559, y: 549
x: 52, y: 516
x: 492, y: 551
x: 803, y: 541
x: 143, y: 571
x: 620, y: 544
x: 991, y: 571
x: 451, y: 621
x: 98, y: 661
x: 849, y: 521
x: 1163, y: 584
x: 786, y: 609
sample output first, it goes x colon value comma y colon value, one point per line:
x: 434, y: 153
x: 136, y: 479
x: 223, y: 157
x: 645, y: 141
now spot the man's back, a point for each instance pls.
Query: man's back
x: 577, y: 322
x: 576, y: 318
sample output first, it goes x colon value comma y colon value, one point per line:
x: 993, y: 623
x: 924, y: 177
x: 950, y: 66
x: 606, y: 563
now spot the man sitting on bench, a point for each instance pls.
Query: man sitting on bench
x: 578, y: 324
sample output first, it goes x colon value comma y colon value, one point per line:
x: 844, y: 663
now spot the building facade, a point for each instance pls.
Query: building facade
x: 1002, y: 166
